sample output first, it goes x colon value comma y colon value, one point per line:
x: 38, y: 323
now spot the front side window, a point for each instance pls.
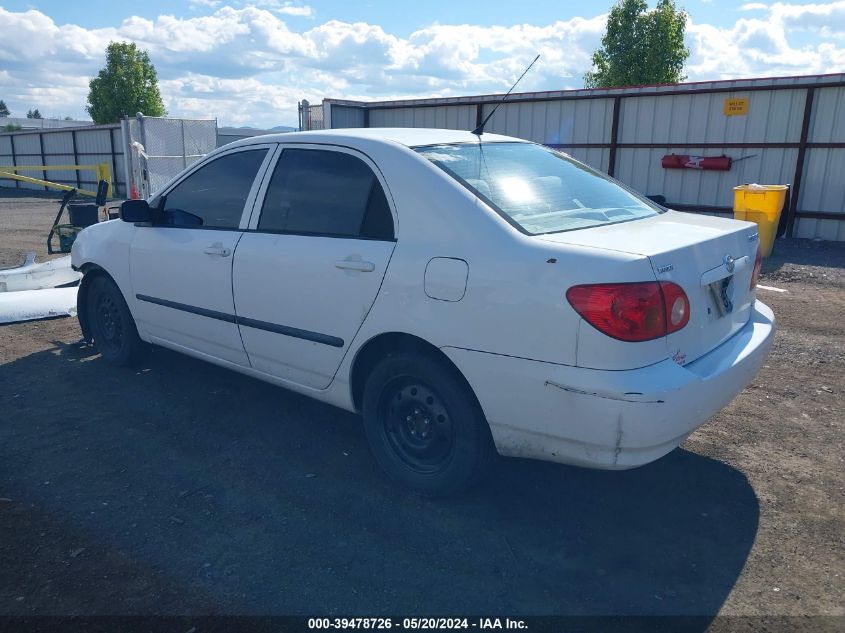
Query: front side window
x: 325, y: 192
x: 536, y: 188
x: 214, y: 196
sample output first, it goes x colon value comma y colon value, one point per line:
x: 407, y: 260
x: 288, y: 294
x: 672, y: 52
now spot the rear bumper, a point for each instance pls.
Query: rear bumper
x: 610, y: 419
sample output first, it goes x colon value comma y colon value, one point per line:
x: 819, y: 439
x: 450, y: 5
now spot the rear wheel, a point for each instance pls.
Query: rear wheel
x: 424, y: 425
x: 112, y: 326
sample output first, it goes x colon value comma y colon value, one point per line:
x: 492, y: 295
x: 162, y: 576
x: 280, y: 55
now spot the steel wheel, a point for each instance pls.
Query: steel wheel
x: 417, y: 425
x: 109, y: 323
x: 424, y: 425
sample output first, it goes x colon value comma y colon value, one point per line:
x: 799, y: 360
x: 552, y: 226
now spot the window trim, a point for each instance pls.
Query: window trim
x: 246, y: 212
x: 252, y: 226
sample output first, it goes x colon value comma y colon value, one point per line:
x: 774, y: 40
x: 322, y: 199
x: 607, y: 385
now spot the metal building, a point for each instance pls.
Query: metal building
x: 787, y: 130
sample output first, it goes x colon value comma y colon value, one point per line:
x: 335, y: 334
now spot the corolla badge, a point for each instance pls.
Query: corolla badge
x: 729, y: 263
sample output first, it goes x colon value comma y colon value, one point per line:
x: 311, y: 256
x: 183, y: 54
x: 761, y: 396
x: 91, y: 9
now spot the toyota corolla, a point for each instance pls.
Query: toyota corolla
x: 466, y: 294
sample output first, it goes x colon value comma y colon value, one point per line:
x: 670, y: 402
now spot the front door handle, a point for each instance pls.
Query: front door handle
x: 355, y: 264
x: 217, y: 250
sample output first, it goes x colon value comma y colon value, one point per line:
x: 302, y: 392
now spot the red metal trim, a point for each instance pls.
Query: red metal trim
x: 604, y: 93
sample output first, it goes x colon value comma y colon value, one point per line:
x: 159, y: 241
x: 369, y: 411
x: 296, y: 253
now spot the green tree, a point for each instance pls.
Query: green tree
x: 33, y: 114
x: 4, y: 111
x: 12, y: 127
x: 640, y: 46
x: 128, y: 84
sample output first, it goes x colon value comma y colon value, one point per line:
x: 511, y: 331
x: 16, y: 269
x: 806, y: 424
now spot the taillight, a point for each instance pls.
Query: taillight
x: 758, y: 262
x: 676, y: 304
x: 632, y: 312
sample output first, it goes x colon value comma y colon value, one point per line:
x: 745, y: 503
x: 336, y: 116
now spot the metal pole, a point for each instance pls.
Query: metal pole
x: 184, y: 149
x: 75, y: 158
x: 14, y: 159
x: 43, y: 160
x: 614, y: 136
x: 127, y: 154
x: 113, y: 160
x: 799, y: 163
x: 305, y: 115
x: 142, y: 162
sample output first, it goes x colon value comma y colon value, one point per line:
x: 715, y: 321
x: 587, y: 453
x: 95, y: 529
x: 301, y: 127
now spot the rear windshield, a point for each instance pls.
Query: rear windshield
x: 536, y: 188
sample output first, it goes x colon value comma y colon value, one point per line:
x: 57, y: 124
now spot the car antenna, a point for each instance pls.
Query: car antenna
x: 480, y: 129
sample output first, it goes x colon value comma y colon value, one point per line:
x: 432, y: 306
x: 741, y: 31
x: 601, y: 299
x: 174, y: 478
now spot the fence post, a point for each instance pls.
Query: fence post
x: 14, y: 159
x: 306, y: 115
x: 184, y: 149
x: 614, y: 136
x: 142, y: 162
x: 43, y: 161
x: 128, y: 172
x: 75, y: 158
x: 799, y: 162
x: 113, y: 162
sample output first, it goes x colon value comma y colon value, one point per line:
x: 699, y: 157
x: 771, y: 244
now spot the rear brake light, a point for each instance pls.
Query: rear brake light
x: 633, y: 312
x: 758, y: 262
x: 676, y: 304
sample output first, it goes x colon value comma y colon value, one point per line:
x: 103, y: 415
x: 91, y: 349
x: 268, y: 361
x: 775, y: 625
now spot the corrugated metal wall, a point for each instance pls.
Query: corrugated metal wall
x: 444, y: 117
x: 92, y: 145
x: 823, y: 186
x: 346, y: 116
x: 88, y: 145
x: 627, y: 131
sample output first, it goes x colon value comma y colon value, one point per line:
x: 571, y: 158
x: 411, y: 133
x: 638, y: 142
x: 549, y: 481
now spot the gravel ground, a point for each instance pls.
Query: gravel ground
x: 184, y: 488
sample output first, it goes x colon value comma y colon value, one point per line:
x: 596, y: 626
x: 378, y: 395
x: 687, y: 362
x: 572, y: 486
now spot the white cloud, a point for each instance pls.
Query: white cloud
x: 762, y: 47
x: 249, y: 66
x: 208, y: 4
x: 284, y: 8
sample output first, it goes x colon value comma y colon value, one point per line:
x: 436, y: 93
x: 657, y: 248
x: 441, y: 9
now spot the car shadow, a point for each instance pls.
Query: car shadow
x: 243, y: 498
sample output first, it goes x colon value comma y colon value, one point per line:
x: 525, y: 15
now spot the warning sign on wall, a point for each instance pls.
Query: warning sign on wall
x: 735, y: 107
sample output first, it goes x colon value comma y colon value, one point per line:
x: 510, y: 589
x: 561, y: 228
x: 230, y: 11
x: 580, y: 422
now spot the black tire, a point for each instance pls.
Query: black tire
x: 424, y: 425
x: 111, y: 324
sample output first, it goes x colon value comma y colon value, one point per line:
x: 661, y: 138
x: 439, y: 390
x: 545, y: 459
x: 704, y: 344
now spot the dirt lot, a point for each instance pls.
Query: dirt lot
x: 184, y: 488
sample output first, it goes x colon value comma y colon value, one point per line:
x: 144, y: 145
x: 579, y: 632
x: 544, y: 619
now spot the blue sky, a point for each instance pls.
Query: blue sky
x: 247, y: 62
x: 396, y: 16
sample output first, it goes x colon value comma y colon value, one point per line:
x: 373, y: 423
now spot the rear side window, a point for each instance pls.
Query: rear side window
x: 323, y: 192
x: 214, y: 196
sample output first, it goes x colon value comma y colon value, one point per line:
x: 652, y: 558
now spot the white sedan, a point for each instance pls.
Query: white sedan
x: 467, y: 294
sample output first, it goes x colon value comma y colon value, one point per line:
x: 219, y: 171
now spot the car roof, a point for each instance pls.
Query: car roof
x: 410, y: 137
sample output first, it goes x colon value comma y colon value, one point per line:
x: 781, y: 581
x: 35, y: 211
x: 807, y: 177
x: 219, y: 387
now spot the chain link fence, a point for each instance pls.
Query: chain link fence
x: 310, y: 116
x: 160, y: 148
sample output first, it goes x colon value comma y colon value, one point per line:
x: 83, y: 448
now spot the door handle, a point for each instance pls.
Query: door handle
x: 355, y: 264
x: 217, y: 250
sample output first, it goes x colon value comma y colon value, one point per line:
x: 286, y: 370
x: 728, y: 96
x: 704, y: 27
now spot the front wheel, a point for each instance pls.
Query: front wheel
x: 112, y: 326
x: 424, y: 425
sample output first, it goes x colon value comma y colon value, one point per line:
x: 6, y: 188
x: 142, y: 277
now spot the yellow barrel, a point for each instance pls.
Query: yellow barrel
x: 761, y: 204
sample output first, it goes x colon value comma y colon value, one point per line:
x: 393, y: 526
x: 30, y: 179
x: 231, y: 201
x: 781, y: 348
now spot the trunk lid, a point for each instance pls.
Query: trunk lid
x: 711, y: 258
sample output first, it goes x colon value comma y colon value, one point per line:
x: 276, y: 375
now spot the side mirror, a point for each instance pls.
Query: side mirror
x: 136, y: 211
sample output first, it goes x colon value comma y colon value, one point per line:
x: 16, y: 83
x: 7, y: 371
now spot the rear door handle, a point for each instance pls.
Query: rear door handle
x: 218, y: 250
x: 355, y: 264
